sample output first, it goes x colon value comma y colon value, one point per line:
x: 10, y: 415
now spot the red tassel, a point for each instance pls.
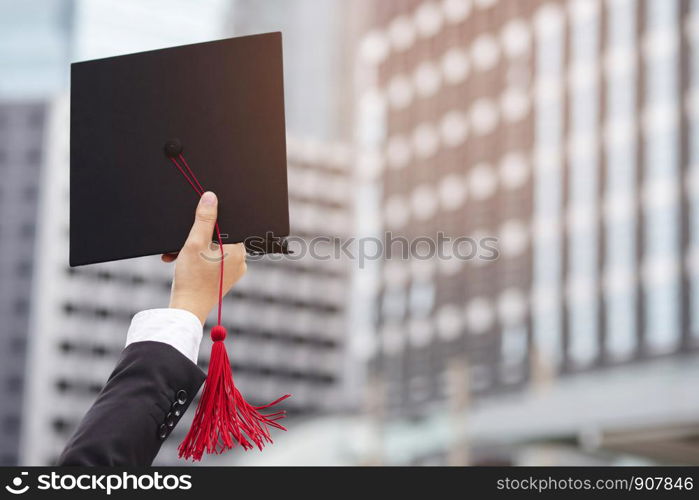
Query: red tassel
x: 223, y: 417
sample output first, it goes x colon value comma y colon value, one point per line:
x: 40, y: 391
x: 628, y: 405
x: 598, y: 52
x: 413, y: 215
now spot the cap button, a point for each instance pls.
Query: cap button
x: 173, y: 148
x: 181, y: 396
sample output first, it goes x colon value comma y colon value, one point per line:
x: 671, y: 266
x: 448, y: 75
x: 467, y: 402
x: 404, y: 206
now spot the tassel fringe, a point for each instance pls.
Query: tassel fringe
x: 223, y: 418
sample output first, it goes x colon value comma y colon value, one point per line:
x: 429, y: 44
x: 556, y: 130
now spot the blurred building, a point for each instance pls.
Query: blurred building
x: 454, y: 84
x: 316, y: 59
x: 564, y: 129
x: 34, y: 53
x: 21, y: 149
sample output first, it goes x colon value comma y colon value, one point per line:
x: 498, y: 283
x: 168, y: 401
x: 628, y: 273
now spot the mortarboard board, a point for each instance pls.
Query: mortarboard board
x: 215, y: 111
x: 223, y: 101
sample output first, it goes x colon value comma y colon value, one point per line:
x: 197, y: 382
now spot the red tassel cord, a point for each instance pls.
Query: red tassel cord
x: 223, y: 418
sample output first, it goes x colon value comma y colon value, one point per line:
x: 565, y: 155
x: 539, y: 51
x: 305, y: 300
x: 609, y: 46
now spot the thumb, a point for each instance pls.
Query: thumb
x: 204, y: 221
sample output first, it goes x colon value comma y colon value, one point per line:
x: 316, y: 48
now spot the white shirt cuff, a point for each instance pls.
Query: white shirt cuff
x: 179, y: 328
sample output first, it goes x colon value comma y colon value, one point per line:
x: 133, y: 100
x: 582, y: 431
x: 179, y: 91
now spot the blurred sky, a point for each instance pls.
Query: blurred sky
x: 41, y: 37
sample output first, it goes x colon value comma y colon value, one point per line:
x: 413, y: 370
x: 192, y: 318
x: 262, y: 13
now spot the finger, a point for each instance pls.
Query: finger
x: 169, y: 257
x: 204, y: 221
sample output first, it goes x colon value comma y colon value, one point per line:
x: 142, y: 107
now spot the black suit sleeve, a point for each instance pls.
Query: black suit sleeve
x: 144, y: 398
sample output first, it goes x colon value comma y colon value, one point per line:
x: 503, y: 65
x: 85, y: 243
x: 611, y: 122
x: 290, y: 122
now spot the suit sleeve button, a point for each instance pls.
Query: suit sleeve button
x: 182, y: 396
x: 170, y: 420
x: 176, y: 411
x: 163, y: 431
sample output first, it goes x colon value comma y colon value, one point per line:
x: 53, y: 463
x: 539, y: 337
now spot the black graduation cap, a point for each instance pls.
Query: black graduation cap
x: 220, y: 104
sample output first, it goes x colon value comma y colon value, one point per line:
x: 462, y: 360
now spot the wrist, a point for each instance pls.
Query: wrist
x: 199, y: 310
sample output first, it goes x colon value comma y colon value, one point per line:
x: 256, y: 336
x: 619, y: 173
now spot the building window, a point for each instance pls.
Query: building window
x: 10, y: 424
x: 21, y: 306
x: 33, y: 156
x: 26, y: 230
x: 35, y: 118
x: 14, y: 384
x: 30, y: 193
x: 18, y: 345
